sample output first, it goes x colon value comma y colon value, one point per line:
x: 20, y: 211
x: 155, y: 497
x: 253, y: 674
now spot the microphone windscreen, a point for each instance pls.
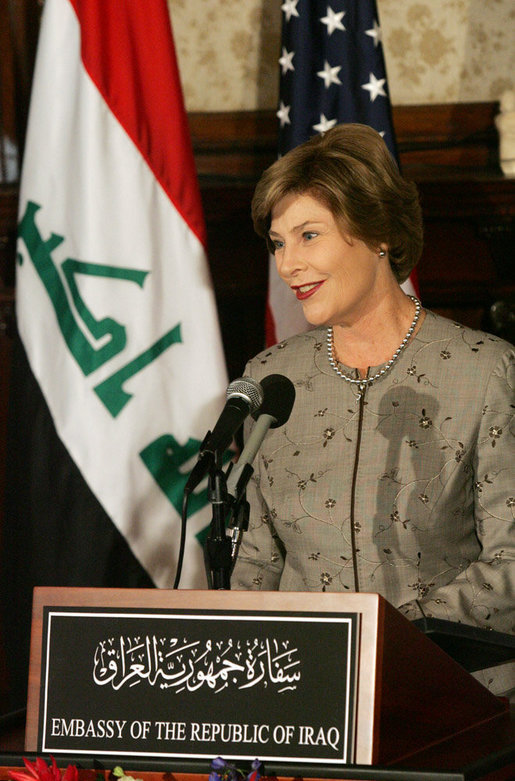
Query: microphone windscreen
x: 248, y: 389
x: 279, y: 397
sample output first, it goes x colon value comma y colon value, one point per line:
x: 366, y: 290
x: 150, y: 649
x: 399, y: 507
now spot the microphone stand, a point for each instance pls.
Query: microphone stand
x: 217, y: 549
x: 221, y: 550
x: 240, y: 515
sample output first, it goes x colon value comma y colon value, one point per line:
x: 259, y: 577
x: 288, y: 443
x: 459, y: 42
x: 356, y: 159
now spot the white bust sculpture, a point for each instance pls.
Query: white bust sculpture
x: 505, y: 122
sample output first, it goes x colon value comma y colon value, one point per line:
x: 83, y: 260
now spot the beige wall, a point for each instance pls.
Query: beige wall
x: 437, y: 51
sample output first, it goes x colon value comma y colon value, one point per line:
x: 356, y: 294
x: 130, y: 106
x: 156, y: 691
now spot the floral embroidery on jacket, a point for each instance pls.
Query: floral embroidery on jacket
x: 423, y: 510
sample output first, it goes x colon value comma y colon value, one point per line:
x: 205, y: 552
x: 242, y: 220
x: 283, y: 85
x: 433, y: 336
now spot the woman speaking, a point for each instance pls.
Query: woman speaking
x: 395, y: 472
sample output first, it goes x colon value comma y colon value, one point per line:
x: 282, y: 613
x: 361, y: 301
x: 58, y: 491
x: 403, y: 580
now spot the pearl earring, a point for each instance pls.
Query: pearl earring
x: 382, y: 253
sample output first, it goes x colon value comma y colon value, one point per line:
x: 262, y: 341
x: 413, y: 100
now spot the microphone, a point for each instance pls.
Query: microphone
x: 244, y: 397
x: 279, y: 397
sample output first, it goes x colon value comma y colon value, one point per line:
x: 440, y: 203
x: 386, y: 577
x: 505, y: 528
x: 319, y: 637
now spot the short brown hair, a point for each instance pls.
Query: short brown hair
x: 350, y: 170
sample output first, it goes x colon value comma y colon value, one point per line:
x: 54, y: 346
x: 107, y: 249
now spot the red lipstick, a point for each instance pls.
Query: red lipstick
x: 306, y: 291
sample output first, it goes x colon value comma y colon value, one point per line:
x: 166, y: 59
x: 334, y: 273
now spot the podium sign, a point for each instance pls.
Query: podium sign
x: 198, y: 683
x: 306, y: 678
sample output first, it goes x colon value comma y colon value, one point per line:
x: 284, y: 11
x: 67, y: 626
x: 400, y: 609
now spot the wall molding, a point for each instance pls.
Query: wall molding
x: 240, y: 144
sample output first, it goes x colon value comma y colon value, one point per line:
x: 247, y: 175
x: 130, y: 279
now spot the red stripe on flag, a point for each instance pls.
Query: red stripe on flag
x: 128, y: 51
x: 414, y: 281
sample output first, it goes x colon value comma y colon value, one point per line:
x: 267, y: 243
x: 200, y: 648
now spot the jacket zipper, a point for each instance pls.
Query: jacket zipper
x: 353, y: 490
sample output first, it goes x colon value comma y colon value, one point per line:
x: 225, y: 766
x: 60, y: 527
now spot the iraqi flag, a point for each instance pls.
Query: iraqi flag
x: 121, y: 369
x: 332, y: 70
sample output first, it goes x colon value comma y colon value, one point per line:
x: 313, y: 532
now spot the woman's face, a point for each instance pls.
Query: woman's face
x: 333, y: 275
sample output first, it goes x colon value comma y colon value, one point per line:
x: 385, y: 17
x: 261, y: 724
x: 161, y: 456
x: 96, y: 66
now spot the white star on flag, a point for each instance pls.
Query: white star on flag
x: 330, y: 75
x: 333, y: 21
x: 290, y: 9
x: 285, y: 61
x: 375, y: 33
x: 325, y: 124
x: 375, y: 87
x: 284, y: 114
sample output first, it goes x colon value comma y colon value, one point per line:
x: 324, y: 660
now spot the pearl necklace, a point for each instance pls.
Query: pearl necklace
x: 363, y: 382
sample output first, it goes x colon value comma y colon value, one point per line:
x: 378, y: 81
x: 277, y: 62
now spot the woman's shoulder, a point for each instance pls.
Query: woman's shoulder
x: 468, y: 341
x: 288, y: 355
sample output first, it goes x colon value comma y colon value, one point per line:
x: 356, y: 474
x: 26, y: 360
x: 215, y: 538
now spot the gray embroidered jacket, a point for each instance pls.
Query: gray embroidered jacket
x: 409, y: 493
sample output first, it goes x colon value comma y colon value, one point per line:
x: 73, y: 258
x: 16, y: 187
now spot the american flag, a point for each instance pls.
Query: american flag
x: 332, y: 70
